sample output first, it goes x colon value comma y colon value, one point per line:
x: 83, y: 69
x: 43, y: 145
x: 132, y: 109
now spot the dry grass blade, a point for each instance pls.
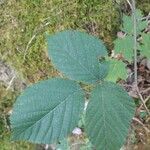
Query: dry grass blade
x: 143, y: 101
x: 139, y: 122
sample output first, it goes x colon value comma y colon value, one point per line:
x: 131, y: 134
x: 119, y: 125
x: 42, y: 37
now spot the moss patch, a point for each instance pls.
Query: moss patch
x: 23, y: 20
x: 7, y: 144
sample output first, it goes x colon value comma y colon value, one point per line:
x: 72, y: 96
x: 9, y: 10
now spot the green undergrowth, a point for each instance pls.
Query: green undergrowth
x: 144, y: 5
x: 7, y: 144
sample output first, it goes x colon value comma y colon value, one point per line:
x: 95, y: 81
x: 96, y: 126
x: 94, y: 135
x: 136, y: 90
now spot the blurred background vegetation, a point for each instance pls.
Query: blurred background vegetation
x: 23, y: 28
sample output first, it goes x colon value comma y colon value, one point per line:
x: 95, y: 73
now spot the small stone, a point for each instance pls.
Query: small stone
x: 77, y: 131
x: 121, y: 34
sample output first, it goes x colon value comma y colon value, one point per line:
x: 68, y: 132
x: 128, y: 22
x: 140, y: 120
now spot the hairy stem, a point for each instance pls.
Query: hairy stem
x: 133, y: 8
x: 135, y: 41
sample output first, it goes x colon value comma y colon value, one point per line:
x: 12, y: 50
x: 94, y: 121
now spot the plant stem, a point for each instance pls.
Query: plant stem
x: 135, y: 41
x: 133, y: 8
x: 129, y: 3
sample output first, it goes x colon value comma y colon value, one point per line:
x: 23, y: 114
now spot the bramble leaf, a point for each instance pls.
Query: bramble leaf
x: 117, y: 70
x: 128, y: 23
x: 77, y: 55
x: 47, y: 111
x: 124, y: 46
x: 108, y: 116
x: 145, y: 47
x: 141, y: 24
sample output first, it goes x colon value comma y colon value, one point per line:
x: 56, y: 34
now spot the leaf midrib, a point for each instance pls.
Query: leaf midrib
x: 104, y: 116
x: 48, y: 112
x: 76, y: 61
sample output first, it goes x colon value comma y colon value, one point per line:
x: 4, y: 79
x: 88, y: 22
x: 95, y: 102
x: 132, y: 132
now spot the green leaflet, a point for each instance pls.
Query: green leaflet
x: 47, y: 111
x: 145, y: 47
x: 128, y: 23
x: 77, y: 55
x: 141, y: 25
x: 117, y: 70
x: 108, y: 116
x: 125, y: 47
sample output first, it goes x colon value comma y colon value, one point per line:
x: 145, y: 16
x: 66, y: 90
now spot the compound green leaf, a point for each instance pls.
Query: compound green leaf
x: 145, y: 47
x: 117, y: 70
x: 108, y: 116
x: 124, y: 46
x: 77, y: 55
x: 47, y: 111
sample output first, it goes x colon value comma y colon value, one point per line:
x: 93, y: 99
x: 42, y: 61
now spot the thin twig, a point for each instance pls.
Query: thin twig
x: 10, y: 83
x: 146, y: 17
x: 135, y: 41
x: 46, y: 147
x: 28, y: 45
x: 145, y: 91
x: 74, y: 144
x: 143, y: 102
x: 32, y: 38
x: 148, y: 98
x: 129, y: 4
x: 138, y: 121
